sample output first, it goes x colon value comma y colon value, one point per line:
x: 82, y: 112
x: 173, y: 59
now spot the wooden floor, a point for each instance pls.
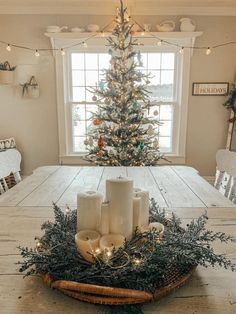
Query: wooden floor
x: 171, y: 186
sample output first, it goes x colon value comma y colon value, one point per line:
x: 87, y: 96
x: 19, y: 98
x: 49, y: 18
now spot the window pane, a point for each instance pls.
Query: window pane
x: 166, y: 112
x: 144, y: 59
x: 168, y: 61
x: 79, y: 128
x: 78, y: 94
x: 91, y: 78
x: 91, y: 61
x: 166, y: 128
x: 104, y: 61
x: 167, y: 77
x: 154, y: 60
x: 90, y: 109
x: 154, y: 78
x: 78, y: 112
x: 165, y: 144
x: 78, y: 144
x: 78, y: 78
x: 77, y: 60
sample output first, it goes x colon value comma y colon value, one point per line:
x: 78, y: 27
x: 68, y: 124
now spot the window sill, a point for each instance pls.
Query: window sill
x: 77, y: 159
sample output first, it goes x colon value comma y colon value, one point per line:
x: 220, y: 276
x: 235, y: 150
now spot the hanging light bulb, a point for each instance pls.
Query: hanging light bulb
x: 37, y: 54
x: 159, y: 43
x: 208, y: 51
x: 103, y: 34
x: 181, y: 51
x: 62, y: 52
x: 8, y: 47
x: 142, y: 33
x: 84, y: 44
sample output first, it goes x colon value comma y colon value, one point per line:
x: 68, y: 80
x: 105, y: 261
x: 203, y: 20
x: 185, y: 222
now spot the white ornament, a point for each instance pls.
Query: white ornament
x: 86, y: 142
x: 90, y: 141
x: 156, y: 113
x: 155, y: 143
x: 150, y: 156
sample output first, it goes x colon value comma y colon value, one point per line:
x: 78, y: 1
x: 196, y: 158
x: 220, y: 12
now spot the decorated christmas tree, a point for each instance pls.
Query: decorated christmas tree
x: 122, y: 133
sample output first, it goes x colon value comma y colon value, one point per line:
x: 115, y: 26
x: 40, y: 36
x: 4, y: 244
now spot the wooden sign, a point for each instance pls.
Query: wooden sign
x: 210, y: 89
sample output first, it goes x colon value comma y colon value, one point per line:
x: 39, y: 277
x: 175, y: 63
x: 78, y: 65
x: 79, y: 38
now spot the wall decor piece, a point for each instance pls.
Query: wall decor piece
x: 31, y: 88
x: 210, y: 89
x: 187, y: 25
x: 6, y: 73
x: 7, y: 143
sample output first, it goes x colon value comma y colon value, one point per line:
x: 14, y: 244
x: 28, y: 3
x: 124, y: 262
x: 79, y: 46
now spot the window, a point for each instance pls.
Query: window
x: 87, y: 69
x: 81, y: 69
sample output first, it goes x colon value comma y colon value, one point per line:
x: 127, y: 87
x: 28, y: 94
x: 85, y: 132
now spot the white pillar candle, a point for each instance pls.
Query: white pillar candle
x: 120, y: 197
x: 136, y: 212
x: 110, y: 241
x: 87, y: 242
x: 104, y: 221
x: 144, y: 195
x: 88, y: 210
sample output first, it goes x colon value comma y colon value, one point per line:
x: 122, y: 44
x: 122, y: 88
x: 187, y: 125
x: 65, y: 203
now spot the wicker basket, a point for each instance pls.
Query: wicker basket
x: 95, y: 294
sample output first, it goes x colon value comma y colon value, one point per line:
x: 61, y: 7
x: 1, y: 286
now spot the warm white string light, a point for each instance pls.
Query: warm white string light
x: 208, y: 51
x: 181, y: 51
x: 8, y: 47
x: 37, y: 54
x: 143, y: 32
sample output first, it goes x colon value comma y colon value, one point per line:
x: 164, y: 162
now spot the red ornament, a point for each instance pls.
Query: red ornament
x: 101, y: 153
x: 96, y: 121
x: 101, y: 142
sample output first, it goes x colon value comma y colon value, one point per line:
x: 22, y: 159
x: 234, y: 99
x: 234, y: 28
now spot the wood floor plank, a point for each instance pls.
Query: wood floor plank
x: 143, y: 179
x: 207, y: 193
x: 173, y: 189
x: 52, y: 189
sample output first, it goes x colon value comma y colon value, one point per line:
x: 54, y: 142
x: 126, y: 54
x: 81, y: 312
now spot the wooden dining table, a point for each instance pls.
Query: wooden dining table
x: 177, y: 188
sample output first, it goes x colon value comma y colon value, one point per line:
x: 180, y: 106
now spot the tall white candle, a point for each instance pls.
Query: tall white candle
x: 144, y: 195
x: 110, y: 241
x: 136, y: 212
x: 88, y: 210
x: 104, y: 221
x: 120, y: 197
x: 87, y: 242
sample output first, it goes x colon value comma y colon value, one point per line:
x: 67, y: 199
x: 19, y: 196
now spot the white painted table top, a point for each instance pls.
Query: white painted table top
x: 9, y: 162
x: 171, y: 186
x: 209, y: 291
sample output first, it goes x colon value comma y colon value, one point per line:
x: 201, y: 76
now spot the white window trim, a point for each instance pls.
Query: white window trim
x: 59, y: 40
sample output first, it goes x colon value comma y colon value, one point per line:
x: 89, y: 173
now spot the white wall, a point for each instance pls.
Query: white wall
x: 34, y: 122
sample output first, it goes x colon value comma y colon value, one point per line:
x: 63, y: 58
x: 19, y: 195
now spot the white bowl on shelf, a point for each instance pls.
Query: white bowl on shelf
x: 93, y: 28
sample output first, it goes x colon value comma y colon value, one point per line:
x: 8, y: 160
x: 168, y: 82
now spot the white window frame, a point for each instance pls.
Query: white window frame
x: 97, y: 44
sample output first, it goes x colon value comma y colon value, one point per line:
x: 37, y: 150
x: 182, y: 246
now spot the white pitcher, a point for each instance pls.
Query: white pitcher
x: 187, y: 25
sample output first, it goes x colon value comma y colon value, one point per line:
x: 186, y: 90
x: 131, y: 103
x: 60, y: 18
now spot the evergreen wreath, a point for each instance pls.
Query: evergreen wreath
x: 141, y: 264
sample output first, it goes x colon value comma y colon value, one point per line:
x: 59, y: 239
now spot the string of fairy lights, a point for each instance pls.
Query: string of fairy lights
x: 103, y: 33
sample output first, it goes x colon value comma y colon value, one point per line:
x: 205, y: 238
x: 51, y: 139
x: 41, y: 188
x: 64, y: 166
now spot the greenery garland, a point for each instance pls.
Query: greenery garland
x: 141, y: 263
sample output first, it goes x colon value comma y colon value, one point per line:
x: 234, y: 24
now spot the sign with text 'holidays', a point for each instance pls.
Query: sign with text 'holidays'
x: 210, y: 89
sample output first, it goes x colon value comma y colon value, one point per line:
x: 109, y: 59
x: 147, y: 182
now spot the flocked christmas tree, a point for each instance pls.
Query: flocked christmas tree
x: 123, y: 134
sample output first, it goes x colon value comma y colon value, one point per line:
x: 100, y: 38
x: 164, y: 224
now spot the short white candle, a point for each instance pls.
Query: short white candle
x: 87, y: 241
x: 157, y: 226
x: 104, y: 221
x: 153, y: 225
x: 136, y: 212
x: 144, y: 195
x: 110, y: 241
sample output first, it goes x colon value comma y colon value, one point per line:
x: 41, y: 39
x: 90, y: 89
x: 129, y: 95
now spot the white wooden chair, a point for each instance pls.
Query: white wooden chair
x: 225, y: 179
x: 10, y: 160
